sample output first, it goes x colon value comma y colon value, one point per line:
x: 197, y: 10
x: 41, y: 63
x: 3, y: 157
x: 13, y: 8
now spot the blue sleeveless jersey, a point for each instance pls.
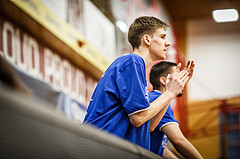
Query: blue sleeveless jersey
x: 121, y: 92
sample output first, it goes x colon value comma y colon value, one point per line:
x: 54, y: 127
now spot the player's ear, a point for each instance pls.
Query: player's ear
x: 146, y: 39
x: 162, y: 81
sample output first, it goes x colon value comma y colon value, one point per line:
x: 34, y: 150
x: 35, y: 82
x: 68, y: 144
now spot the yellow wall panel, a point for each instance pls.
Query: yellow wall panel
x: 209, y: 147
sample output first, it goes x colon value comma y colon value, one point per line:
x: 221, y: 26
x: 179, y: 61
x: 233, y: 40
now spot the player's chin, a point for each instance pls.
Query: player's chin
x: 159, y: 56
x: 163, y: 56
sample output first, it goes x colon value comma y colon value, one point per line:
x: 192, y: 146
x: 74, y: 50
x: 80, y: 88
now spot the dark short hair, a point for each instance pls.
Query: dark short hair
x: 161, y: 69
x: 144, y: 25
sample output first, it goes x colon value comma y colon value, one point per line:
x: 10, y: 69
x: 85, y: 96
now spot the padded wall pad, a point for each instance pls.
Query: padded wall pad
x: 31, y: 129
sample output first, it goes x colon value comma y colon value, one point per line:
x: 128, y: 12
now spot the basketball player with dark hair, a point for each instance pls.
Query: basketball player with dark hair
x: 168, y: 126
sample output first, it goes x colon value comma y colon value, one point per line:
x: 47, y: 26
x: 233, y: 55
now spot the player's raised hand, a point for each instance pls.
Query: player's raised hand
x: 190, y: 67
x: 177, y: 80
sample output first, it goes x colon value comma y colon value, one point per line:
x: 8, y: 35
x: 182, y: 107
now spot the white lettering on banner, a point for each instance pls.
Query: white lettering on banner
x: 92, y: 84
x: 57, y: 71
x: 66, y: 76
x: 22, y: 56
x: 75, y: 86
x: 48, y: 65
x: 81, y: 81
x: 26, y: 56
x: 17, y: 44
x: 19, y: 56
x: 34, y: 58
x: 8, y: 33
x: 25, y: 52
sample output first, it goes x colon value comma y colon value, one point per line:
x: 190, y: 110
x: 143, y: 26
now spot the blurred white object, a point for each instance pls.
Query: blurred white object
x: 225, y: 15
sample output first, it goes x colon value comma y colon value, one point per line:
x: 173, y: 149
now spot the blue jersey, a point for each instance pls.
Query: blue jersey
x: 121, y: 92
x: 158, y: 138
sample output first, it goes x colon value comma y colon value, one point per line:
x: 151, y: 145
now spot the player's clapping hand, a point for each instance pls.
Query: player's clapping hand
x: 190, y: 67
x: 178, y: 79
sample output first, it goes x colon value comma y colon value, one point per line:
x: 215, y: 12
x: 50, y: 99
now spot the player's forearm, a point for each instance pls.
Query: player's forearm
x: 182, y: 145
x: 168, y: 154
x: 186, y: 149
x: 157, y: 118
x: 155, y: 107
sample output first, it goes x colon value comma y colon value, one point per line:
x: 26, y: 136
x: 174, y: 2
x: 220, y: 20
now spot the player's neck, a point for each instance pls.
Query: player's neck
x: 145, y: 55
x: 162, y: 90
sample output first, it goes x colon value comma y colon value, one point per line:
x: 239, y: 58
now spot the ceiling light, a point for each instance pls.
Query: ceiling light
x: 225, y: 15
